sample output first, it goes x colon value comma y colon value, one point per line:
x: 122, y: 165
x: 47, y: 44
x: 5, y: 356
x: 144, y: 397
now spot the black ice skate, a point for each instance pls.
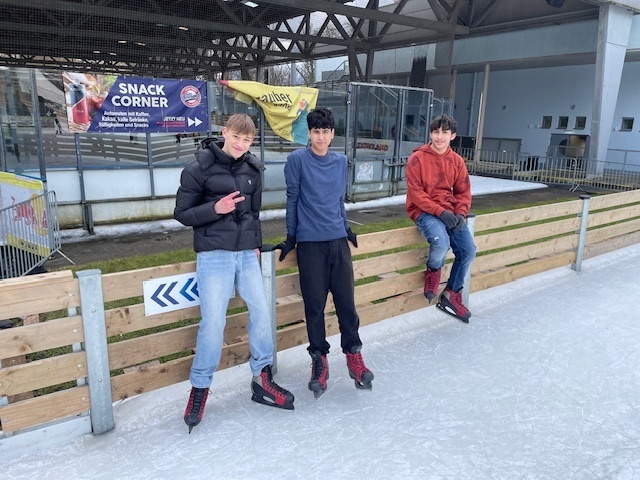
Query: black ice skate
x: 451, y: 303
x: 195, y: 408
x: 361, y: 375
x: 268, y: 392
x: 319, y: 374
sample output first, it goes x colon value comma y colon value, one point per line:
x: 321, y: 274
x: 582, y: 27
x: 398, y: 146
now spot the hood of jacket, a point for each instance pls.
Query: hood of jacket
x: 210, y: 151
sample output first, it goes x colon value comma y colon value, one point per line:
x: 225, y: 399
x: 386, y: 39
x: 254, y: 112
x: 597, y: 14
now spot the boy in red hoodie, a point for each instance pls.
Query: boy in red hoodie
x: 438, y: 200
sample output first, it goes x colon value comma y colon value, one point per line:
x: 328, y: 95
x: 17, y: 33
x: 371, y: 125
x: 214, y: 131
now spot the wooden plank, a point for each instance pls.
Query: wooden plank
x: 116, y: 286
x: 614, y: 199
x: 290, y: 312
x: 611, y: 244
x: 132, y: 318
x: 288, y: 284
x: 599, y: 234
x: 236, y: 327
x: 150, y: 378
x: 388, y: 288
x: 509, y: 238
x: 46, y: 408
x: 42, y: 373
x: 525, y: 215
x: 42, y: 336
x: 142, y: 349
x: 18, y: 395
x: 37, y: 295
x: 372, y: 313
x: 525, y: 253
x: 292, y: 336
x: 610, y: 216
x: 485, y: 280
x: 386, y: 240
x: 392, y: 262
x: 34, y: 281
x: 370, y: 243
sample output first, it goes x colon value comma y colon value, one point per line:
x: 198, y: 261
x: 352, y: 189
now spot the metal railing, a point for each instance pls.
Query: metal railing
x: 575, y: 172
x: 29, y: 234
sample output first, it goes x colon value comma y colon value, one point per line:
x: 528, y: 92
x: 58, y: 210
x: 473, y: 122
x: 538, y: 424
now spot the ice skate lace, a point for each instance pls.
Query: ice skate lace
x: 432, y: 280
x: 197, y: 400
x: 356, y: 363
x: 456, y: 300
x: 318, y: 369
x: 272, y: 387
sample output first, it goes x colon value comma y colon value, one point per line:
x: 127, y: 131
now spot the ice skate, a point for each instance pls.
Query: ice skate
x: 431, y: 283
x: 268, y: 392
x: 361, y: 375
x: 319, y: 374
x: 195, y: 408
x: 451, y: 303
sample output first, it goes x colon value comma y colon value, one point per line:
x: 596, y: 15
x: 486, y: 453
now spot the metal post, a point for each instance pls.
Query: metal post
x: 35, y: 105
x: 268, y: 263
x: 95, y: 344
x: 150, y: 165
x: 466, y: 288
x: 582, y: 233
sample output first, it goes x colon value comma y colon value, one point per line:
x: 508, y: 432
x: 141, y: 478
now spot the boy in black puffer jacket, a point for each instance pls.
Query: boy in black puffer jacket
x: 220, y: 196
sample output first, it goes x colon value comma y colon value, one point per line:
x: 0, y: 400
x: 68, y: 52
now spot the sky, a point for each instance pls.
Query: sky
x: 543, y: 383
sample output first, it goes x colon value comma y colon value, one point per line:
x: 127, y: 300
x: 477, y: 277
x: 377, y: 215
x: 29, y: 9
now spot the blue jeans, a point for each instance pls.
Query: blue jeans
x: 440, y: 240
x: 218, y: 272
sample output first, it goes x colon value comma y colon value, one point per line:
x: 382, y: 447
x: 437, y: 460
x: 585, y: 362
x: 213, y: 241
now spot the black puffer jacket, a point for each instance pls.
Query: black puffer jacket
x: 203, y: 182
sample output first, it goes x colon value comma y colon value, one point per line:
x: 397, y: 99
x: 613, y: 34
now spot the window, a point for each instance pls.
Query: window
x: 563, y: 123
x: 581, y: 123
x: 627, y: 124
x: 546, y: 121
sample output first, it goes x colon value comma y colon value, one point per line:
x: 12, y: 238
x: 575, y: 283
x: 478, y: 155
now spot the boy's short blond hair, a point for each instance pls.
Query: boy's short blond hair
x: 242, y: 124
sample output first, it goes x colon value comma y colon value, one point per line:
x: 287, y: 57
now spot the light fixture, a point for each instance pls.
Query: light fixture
x: 122, y: 41
x: 249, y: 3
x: 141, y: 44
x: 183, y: 28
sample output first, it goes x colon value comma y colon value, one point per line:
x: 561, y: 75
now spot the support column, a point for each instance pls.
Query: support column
x: 482, y: 107
x: 614, y: 26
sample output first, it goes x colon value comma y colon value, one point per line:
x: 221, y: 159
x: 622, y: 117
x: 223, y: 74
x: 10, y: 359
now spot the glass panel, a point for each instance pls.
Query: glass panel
x: 16, y: 117
x: 416, y: 120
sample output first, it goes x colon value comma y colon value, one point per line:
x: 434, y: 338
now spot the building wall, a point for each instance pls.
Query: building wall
x: 518, y: 99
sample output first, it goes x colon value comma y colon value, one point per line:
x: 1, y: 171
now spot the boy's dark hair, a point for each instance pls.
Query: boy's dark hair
x: 320, y: 118
x: 445, y: 122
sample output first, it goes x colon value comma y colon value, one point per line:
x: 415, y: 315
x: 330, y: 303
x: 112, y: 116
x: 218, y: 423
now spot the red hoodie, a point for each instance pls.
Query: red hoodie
x: 436, y: 183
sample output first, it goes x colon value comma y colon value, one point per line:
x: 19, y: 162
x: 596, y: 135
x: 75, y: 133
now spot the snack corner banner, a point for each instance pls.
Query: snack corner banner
x: 114, y: 104
x: 285, y: 108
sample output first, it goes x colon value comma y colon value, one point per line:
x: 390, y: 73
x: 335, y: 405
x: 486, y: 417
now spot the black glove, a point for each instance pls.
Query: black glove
x: 352, y: 237
x: 286, y: 246
x: 460, y: 224
x: 449, y: 219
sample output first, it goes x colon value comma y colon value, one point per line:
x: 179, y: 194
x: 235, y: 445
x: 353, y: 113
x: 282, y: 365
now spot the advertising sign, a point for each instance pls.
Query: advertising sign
x: 285, y: 108
x: 113, y: 104
x: 24, y: 213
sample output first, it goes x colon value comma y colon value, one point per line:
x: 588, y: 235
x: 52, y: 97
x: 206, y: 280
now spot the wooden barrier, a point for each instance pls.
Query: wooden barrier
x: 149, y: 352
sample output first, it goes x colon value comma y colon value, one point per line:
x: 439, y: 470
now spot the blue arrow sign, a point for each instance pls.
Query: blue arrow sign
x: 170, y: 293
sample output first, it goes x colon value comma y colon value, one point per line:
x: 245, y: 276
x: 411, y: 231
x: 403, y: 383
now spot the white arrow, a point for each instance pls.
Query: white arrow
x: 191, y: 122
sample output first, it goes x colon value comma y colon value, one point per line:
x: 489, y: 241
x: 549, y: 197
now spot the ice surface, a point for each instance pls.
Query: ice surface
x: 542, y: 384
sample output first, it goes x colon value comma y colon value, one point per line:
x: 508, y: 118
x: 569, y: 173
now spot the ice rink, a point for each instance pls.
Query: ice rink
x: 542, y: 384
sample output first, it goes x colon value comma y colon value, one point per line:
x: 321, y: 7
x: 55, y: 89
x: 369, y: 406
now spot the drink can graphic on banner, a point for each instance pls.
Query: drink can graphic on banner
x: 79, y: 108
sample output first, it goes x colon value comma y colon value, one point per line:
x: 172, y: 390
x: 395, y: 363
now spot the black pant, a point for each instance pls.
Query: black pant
x: 326, y: 267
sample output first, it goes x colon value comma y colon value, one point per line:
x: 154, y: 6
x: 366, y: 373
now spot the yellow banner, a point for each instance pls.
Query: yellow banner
x: 285, y: 108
